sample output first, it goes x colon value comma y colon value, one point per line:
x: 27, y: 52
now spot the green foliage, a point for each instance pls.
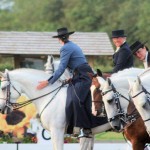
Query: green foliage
x: 6, y: 63
x: 85, y: 15
x: 109, y: 136
x: 79, y: 15
x: 6, y: 138
x: 104, y: 63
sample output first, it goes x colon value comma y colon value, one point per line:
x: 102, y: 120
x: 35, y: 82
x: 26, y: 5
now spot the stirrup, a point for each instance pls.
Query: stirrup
x: 85, y: 133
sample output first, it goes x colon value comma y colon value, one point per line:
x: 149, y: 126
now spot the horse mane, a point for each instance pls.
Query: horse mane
x: 42, y: 73
x: 29, y: 73
x: 127, y: 72
x: 145, y: 72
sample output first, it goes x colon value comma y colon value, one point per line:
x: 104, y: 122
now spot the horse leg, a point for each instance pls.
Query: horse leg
x: 57, y: 136
x: 138, y: 145
x: 91, y: 144
x: 86, y: 143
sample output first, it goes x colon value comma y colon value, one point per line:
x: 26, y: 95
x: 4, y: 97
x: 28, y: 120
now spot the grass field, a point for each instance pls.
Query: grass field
x: 109, y: 136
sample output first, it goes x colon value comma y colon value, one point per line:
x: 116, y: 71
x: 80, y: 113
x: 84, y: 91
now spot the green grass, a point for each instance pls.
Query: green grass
x: 109, y: 136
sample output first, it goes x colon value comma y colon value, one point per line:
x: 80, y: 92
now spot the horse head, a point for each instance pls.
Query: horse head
x: 139, y: 91
x: 10, y: 91
x: 116, y: 100
x: 97, y: 103
x: 136, y: 92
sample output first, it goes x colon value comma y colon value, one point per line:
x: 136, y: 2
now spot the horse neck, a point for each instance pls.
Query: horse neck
x: 121, y: 82
x: 28, y: 82
x: 131, y: 108
x: 128, y: 72
x: 145, y: 73
x: 125, y: 100
x: 145, y: 80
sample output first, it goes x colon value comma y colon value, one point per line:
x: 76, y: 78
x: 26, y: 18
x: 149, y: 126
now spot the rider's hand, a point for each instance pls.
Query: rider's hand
x: 42, y: 84
x: 67, y: 81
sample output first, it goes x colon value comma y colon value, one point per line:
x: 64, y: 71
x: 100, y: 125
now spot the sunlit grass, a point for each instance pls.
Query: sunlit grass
x: 109, y: 136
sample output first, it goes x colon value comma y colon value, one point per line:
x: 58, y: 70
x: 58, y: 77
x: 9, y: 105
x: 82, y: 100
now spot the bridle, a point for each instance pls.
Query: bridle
x: 147, y: 95
x: 18, y: 105
x: 8, y: 104
x: 125, y: 118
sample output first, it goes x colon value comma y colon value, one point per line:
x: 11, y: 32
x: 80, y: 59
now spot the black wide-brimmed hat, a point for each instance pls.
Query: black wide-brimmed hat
x: 118, y: 33
x: 136, y: 45
x: 62, y: 31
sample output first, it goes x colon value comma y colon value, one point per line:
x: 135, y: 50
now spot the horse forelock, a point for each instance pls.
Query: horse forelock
x: 101, y: 81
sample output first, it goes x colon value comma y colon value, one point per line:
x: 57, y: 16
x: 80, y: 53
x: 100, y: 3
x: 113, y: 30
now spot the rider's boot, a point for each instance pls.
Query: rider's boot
x: 85, y: 133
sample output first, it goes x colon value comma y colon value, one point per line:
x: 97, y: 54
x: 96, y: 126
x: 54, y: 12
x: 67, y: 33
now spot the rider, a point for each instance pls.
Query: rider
x: 78, y: 92
x: 141, y: 51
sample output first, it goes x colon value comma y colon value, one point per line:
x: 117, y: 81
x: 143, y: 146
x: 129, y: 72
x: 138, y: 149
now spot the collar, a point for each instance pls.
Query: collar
x: 145, y: 61
x: 146, y: 57
x: 117, y: 48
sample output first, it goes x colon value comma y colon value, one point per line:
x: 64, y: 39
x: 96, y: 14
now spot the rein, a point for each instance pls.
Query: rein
x: 27, y: 102
x: 22, y: 104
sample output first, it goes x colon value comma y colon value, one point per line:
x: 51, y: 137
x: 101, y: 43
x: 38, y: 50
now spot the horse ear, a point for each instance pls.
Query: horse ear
x: 51, y: 59
x: 138, y: 84
x: 139, y: 80
x: 107, y: 84
x: 99, y: 72
x: 6, y: 70
x: 109, y: 81
x: 2, y: 74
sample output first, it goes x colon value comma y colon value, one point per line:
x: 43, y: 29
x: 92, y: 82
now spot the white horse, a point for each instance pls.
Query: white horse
x: 50, y: 105
x: 119, y: 82
x: 140, y: 93
x: 116, y: 100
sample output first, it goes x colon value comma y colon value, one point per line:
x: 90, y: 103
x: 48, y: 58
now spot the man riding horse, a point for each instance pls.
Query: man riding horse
x: 78, y: 93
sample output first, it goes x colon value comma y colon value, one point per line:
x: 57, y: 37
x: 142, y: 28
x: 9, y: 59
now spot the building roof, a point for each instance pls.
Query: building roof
x: 42, y: 43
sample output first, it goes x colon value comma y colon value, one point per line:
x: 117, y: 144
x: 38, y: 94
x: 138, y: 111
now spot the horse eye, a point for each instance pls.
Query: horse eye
x: 3, y: 88
x: 110, y: 101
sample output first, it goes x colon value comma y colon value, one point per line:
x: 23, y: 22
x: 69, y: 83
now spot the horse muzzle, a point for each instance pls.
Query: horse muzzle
x: 116, y: 124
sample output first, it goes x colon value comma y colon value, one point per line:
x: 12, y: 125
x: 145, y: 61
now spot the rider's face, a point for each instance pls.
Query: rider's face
x: 118, y: 41
x: 141, y: 53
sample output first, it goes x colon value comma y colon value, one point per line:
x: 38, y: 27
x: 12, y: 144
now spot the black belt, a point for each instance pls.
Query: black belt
x: 75, y: 72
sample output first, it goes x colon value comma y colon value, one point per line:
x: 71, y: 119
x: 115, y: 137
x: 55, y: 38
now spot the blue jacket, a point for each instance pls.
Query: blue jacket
x: 123, y: 58
x: 71, y: 56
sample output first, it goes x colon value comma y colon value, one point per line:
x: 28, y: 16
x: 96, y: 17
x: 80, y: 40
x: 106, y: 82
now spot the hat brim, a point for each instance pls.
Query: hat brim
x: 139, y: 46
x: 57, y: 36
x: 118, y: 36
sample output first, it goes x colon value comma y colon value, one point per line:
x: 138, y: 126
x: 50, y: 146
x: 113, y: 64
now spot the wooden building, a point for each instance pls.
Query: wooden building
x: 30, y: 49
